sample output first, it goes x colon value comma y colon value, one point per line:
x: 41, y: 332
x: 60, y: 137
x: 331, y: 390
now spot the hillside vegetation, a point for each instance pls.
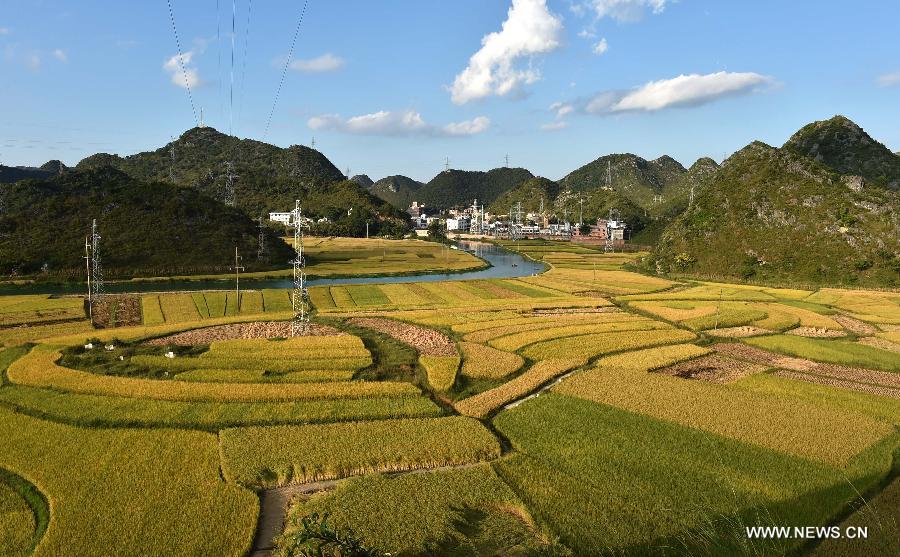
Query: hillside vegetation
x: 269, y: 178
x: 773, y: 215
x: 147, y: 228
x: 458, y: 188
x: 399, y: 191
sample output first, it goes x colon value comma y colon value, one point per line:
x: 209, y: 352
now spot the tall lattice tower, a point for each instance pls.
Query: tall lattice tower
x: 229, y: 196
x: 261, y: 242
x: 96, y: 278
x: 299, y: 295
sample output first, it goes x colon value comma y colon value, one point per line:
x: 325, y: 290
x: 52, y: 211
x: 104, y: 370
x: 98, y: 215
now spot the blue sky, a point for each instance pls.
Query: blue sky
x: 395, y: 86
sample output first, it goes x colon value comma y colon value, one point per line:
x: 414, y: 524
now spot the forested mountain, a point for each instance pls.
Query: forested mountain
x: 269, y: 178
x: 147, y: 228
x: 399, y: 191
x: 458, y: 188
x: 846, y: 148
x: 12, y: 174
x: 775, y: 215
x: 646, y: 183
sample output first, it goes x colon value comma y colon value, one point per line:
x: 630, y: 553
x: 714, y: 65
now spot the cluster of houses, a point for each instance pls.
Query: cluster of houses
x: 474, y: 220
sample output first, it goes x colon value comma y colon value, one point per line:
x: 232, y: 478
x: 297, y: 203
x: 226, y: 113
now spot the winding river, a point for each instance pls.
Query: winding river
x: 504, y: 264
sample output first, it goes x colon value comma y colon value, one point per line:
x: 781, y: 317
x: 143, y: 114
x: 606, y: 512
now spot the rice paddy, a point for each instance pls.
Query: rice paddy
x: 481, y: 417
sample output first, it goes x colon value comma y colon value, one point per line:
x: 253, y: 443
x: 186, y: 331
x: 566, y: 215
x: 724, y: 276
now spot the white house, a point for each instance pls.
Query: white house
x: 283, y: 218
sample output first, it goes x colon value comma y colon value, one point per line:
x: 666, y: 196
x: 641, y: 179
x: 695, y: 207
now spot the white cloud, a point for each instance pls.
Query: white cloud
x: 625, y: 11
x: 324, y: 63
x: 889, y: 79
x: 530, y: 29
x: 601, y: 47
x: 61, y: 55
x: 684, y: 90
x: 689, y: 90
x: 397, y: 124
x: 555, y: 126
x: 4, y: 30
x: 587, y: 34
x: 190, y: 75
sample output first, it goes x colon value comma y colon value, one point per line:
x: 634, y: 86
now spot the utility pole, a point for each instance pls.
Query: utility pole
x: 237, y: 277
x: 367, y: 230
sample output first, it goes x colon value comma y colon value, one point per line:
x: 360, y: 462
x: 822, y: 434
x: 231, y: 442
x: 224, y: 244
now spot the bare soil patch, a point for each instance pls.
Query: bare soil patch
x: 854, y: 325
x: 809, y: 367
x: 116, y: 311
x: 861, y: 387
x: 815, y: 332
x: 713, y: 368
x: 234, y: 331
x: 737, y: 332
x: 426, y: 341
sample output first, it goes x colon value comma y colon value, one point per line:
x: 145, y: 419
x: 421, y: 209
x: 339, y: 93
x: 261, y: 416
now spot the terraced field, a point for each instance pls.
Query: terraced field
x: 585, y: 409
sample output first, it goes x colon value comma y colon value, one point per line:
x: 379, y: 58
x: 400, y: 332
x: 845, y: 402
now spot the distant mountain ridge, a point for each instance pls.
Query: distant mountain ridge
x: 787, y: 215
x: 12, y: 174
x: 459, y: 188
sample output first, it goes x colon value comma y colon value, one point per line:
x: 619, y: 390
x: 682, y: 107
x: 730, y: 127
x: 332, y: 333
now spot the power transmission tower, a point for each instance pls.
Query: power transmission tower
x: 237, y: 277
x: 312, y: 144
x: 542, y: 206
x: 581, y: 211
x: 230, y: 194
x: 691, y: 200
x: 447, y: 163
x: 87, y: 264
x: 609, y: 174
x: 96, y: 266
x: 348, y: 172
x: 172, y: 164
x: 299, y: 295
x: 261, y: 243
x: 506, y: 159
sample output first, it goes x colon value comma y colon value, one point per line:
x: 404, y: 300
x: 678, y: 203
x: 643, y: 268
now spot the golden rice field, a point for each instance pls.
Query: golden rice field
x: 550, y: 432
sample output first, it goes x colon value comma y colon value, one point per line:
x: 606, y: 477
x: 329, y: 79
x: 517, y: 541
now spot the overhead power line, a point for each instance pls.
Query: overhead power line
x: 244, y: 65
x: 187, y: 83
x: 284, y: 70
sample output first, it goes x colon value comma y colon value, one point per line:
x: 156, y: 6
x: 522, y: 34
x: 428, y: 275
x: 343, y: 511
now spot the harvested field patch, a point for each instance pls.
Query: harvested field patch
x: 843, y: 383
x: 516, y: 341
x: 427, y: 342
x: 838, y: 351
x: 713, y: 368
x: 815, y: 332
x: 855, y: 325
x: 737, y: 332
x: 846, y: 373
x: 881, y: 343
x: 257, y: 329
